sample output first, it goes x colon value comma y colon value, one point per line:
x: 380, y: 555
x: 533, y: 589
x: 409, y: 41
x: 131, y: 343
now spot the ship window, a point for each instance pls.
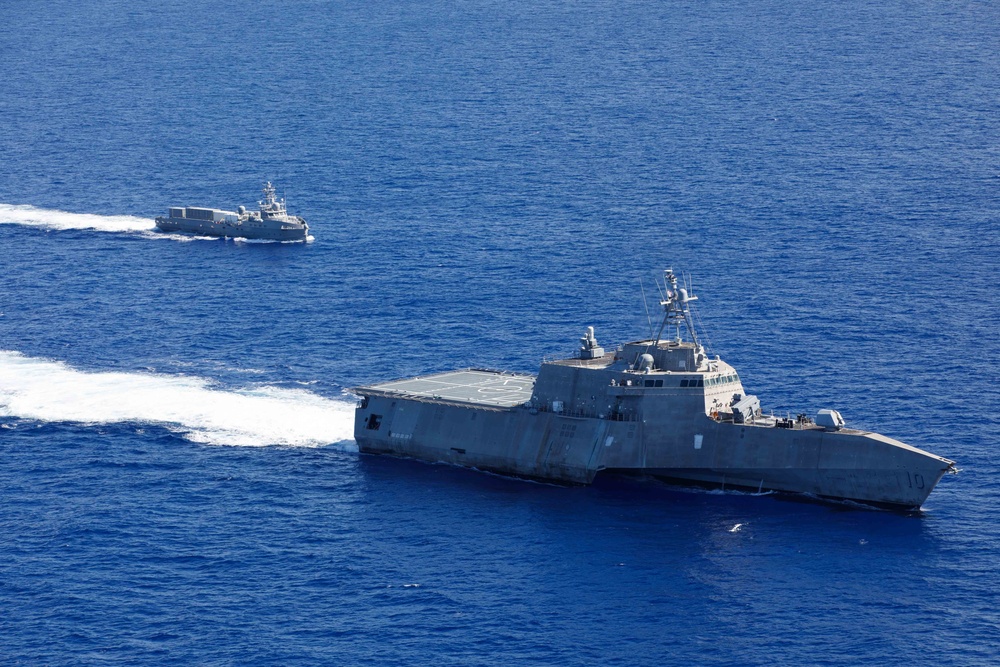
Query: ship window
x: 684, y: 383
x: 659, y: 383
x: 649, y: 383
x: 701, y: 383
x: 374, y: 421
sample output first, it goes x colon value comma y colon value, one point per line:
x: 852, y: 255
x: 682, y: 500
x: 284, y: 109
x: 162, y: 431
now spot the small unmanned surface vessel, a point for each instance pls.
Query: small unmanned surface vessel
x: 272, y: 222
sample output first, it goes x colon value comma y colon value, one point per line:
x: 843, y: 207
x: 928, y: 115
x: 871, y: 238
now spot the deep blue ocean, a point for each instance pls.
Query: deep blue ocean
x: 484, y: 180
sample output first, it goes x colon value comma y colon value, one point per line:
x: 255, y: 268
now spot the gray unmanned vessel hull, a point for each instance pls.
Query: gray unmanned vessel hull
x: 654, y: 407
x: 222, y: 228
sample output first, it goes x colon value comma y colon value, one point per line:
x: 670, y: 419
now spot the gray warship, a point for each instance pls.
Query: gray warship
x: 659, y: 407
x: 271, y: 222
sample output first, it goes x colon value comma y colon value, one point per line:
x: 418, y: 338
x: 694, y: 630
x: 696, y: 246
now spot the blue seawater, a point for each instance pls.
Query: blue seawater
x: 178, y: 480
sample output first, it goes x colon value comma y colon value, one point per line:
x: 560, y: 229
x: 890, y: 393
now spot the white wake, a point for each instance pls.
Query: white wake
x: 24, y: 214
x: 52, y: 391
x: 44, y: 218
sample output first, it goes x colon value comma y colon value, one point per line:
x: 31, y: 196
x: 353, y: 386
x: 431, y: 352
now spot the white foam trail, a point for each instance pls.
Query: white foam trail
x: 12, y: 214
x: 308, y: 239
x: 24, y: 214
x: 45, y: 390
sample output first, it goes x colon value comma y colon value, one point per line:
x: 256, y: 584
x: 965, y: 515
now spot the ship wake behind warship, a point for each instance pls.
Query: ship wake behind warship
x: 659, y: 407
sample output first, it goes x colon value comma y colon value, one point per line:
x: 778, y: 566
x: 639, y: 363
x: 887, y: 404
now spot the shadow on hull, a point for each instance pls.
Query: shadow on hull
x: 846, y: 504
x: 677, y: 484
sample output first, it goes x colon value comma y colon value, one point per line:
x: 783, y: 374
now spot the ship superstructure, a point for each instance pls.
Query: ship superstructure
x: 661, y: 407
x: 271, y: 221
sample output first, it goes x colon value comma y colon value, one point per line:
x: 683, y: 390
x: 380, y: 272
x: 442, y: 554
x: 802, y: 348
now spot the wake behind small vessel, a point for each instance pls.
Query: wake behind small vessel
x: 271, y: 222
x: 659, y: 407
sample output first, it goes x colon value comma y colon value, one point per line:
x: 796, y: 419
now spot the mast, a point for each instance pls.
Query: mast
x: 675, y: 308
x: 271, y: 205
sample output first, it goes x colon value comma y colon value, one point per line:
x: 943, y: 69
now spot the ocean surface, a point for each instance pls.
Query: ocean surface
x: 483, y: 180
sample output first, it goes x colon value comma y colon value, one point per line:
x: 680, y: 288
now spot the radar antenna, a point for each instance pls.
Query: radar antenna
x: 271, y: 206
x: 270, y: 195
x: 675, y: 308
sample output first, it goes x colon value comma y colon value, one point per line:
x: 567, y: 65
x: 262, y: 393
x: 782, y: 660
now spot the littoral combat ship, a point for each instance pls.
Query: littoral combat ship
x: 658, y: 407
x: 272, y: 222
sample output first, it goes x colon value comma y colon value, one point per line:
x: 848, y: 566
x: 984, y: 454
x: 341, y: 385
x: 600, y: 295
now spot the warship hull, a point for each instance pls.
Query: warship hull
x: 658, y: 407
x: 484, y: 421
